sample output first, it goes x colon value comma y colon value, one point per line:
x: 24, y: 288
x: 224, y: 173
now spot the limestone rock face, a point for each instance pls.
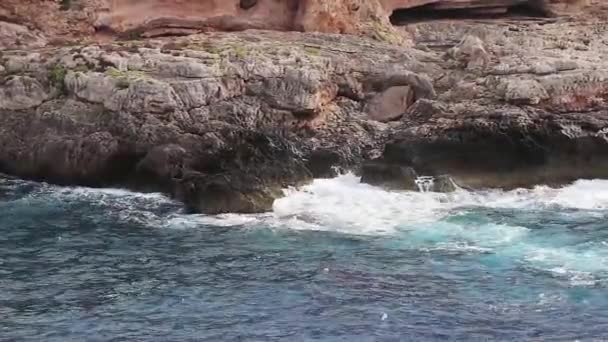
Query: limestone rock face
x: 224, y: 120
x: 35, y: 23
x: 535, y: 113
x: 222, y: 124
x: 124, y: 15
x: 19, y: 36
x: 469, y: 53
x: 102, y: 20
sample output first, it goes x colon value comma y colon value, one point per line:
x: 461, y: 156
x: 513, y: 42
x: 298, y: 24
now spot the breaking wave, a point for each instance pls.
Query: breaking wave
x: 516, y: 225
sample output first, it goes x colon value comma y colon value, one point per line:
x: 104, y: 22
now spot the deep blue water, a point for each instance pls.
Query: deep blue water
x: 336, y: 261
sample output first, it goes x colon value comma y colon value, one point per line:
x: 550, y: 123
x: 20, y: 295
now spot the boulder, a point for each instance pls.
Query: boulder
x: 21, y: 92
x: 246, y: 174
x: 444, y: 183
x: 226, y: 193
x: 390, y: 104
x: 390, y: 176
x: 470, y: 53
x: 524, y: 91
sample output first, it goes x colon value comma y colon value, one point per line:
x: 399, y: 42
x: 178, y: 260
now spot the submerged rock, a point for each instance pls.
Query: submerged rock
x: 245, y: 174
x: 397, y: 177
x: 444, y: 183
x: 226, y: 193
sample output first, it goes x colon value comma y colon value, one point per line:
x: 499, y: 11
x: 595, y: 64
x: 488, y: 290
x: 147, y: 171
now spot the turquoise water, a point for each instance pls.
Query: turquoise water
x: 335, y: 261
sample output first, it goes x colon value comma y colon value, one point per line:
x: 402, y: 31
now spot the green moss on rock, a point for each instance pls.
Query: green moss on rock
x: 57, y: 77
x: 124, y: 78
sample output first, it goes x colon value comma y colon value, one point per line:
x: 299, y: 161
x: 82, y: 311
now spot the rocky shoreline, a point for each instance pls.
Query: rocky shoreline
x: 224, y: 121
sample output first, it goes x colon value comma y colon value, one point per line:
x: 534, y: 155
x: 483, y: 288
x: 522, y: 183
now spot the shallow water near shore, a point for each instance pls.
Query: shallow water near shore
x: 336, y: 261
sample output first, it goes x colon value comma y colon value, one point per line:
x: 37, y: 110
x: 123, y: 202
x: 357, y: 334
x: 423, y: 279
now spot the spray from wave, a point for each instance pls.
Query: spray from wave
x: 347, y: 205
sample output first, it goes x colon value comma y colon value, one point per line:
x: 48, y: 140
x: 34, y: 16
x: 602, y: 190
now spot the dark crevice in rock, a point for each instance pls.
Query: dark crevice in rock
x: 247, y: 4
x: 324, y: 163
x: 388, y: 175
x: 305, y: 114
x: 104, y: 29
x: 120, y: 169
x: 501, y: 10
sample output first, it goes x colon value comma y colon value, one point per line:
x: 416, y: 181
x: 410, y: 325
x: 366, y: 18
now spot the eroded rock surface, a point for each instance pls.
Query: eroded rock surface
x: 533, y: 109
x: 224, y: 121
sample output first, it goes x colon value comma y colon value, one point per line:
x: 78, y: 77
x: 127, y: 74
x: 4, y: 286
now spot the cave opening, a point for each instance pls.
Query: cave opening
x: 433, y: 12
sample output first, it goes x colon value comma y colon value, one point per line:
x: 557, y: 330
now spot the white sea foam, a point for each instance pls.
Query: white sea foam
x: 426, y: 221
x: 578, y: 263
x: 423, y: 220
x: 343, y: 204
x: 108, y: 195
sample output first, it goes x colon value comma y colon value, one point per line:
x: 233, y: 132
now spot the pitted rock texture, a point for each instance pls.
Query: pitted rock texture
x: 517, y: 104
x: 224, y: 121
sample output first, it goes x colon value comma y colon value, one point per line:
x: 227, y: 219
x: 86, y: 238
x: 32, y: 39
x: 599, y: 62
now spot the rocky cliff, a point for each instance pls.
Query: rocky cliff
x: 224, y: 121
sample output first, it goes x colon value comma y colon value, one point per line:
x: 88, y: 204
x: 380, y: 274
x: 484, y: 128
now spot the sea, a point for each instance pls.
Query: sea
x: 336, y: 260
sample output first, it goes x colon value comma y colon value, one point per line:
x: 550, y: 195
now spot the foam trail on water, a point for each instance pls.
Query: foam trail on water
x: 124, y: 205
